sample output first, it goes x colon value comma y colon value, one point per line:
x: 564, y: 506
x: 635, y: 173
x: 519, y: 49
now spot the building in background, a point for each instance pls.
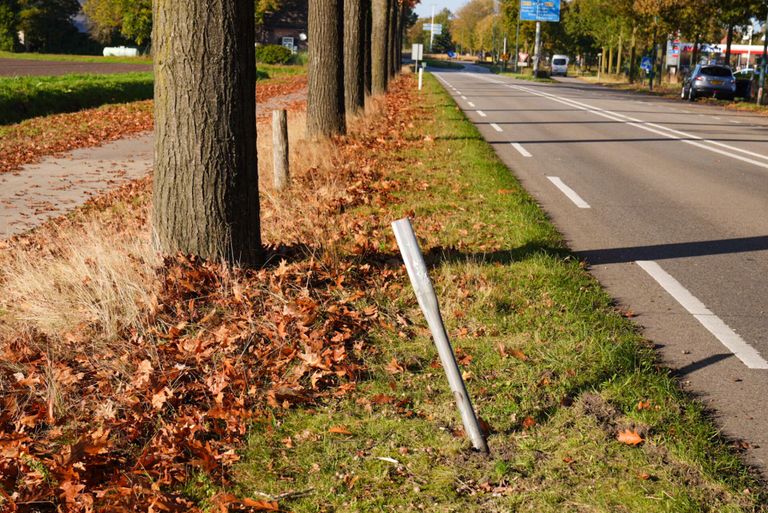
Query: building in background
x: 286, y: 27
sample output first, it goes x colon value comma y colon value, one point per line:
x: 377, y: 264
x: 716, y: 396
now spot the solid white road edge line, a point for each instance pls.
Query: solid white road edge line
x: 496, y: 127
x: 481, y: 113
x: 575, y: 198
x: 743, y: 351
x: 522, y: 151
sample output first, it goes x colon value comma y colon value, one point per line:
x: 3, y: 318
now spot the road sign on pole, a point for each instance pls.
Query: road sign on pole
x: 540, y: 10
x: 646, y: 64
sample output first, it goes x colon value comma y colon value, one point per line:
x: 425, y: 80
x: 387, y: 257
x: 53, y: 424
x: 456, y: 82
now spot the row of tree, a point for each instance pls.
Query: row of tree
x: 620, y: 30
x: 205, y: 195
x: 46, y: 25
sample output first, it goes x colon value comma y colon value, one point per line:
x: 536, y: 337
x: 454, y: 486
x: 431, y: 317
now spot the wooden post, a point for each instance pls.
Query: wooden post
x: 425, y: 293
x: 421, y: 78
x: 280, y: 148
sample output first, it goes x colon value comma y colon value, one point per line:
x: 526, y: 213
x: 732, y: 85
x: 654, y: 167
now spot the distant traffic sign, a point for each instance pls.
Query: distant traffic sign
x: 435, y: 28
x: 540, y: 10
x: 646, y: 64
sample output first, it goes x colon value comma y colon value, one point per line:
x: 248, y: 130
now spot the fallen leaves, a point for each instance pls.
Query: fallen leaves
x: 629, y: 437
x: 339, y: 430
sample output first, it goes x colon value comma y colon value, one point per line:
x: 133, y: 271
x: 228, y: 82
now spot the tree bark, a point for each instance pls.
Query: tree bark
x: 728, y: 43
x: 354, y: 56
x: 206, y: 196
x: 379, y: 75
x: 618, y: 54
x: 367, y: 45
x: 391, y: 29
x: 325, y: 89
x: 633, y: 56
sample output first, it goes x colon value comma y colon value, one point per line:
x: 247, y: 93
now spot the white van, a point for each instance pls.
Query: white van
x: 559, y: 65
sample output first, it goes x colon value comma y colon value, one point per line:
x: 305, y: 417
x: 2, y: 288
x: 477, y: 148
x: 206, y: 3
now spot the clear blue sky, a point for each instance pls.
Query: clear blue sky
x: 424, y: 9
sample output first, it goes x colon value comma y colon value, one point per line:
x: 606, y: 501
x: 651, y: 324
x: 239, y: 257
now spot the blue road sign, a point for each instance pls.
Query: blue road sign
x: 539, y: 10
x: 646, y: 64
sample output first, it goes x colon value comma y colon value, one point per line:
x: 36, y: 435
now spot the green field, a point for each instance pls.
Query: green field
x: 26, y: 97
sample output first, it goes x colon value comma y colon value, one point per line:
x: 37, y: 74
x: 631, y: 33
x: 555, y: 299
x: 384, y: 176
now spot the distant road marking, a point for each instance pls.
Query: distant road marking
x: 481, y: 113
x: 717, y: 118
x: 496, y: 127
x: 471, y: 104
x: 457, y: 91
x: 734, y: 121
x: 521, y: 150
x: 577, y: 200
x: 670, y: 133
x: 463, y: 97
x: 743, y: 351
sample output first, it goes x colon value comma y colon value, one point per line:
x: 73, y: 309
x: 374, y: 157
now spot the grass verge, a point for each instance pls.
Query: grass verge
x: 556, y: 372
x: 75, y: 58
x: 267, y: 71
x: 523, y: 76
x: 26, y: 97
x: 432, y: 63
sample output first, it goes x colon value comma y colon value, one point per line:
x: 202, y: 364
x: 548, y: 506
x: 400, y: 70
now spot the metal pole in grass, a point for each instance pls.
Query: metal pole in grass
x: 425, y: 293
x: 421, y: 78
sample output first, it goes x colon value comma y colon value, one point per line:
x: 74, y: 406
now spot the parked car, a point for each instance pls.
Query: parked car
x: 709, y: 80
x: 559, y: 65
x: 745, y: 81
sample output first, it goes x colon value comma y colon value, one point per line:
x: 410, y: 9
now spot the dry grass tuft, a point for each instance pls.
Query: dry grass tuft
x: 89, y: 276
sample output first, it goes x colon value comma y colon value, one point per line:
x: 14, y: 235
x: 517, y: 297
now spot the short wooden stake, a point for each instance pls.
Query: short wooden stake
x: 425, y: 293
x: 280, y: 148
x: 421, y: 78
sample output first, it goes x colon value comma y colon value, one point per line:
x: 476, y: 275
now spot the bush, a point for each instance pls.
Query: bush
x: 26, y: 97
x: 273, y: 54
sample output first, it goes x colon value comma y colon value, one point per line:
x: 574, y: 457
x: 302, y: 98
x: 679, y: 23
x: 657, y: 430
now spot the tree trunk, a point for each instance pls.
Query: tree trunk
x: 380, y: 12
x: 391, y: 29
x: 618, y: 54
x: 206, y: 195
x: 633, y: 56
x: 610, y: 60
x: 367, y: 47
x: 325, y: 88
x: 662, y: 63
x: 728, y: 42
x: 354, y: 56
x: 695, y: 51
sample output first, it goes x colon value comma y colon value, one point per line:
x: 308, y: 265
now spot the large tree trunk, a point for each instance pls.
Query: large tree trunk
x: 379, y: 32
x: 367, y: 46
x: 354, y: 56
x: 728, y: 42
x: 633, y: 56
x: 325, y: 90
x: 391, y: 30
x: 206, y: 195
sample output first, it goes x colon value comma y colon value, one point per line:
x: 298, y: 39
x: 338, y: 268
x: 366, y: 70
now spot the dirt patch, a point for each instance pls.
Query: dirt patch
x: 22, y: 68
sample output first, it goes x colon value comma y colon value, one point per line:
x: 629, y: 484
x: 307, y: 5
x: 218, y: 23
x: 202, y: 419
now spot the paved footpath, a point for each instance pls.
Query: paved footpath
x: 39, y: 192
x: 51, y: 188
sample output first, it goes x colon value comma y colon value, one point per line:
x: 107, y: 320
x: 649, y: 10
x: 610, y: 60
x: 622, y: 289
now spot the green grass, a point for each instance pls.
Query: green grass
x: 75, y: 58
x: 505, y: 279
x: 267, y: 71
x: 26, y: 97
x: 523, y: 76
x: 436, y: 63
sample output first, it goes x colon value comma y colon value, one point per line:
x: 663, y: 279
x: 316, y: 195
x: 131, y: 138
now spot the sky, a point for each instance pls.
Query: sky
x: 424, y: 8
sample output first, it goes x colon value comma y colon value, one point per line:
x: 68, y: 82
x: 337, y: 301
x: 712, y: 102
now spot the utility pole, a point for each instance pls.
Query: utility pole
x: 432, y: 29
x: 763, y: 64
x: 536, y: 54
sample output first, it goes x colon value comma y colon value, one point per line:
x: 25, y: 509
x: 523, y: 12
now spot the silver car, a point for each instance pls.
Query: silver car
x: 709, y: 80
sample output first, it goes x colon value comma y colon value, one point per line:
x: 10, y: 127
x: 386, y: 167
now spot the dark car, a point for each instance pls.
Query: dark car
x: 745, y: 82
x: 709, y: 80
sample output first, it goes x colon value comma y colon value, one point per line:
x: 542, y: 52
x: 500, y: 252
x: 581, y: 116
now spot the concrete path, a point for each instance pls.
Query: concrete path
x: 51, y: 188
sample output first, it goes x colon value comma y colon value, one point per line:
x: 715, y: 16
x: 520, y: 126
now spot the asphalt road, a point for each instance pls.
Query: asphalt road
x: 668, y: 202
x: 20, y: 67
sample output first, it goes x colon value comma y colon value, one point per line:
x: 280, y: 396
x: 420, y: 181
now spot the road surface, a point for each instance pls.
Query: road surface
x: 20, y: 67
x: 668, y: 202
